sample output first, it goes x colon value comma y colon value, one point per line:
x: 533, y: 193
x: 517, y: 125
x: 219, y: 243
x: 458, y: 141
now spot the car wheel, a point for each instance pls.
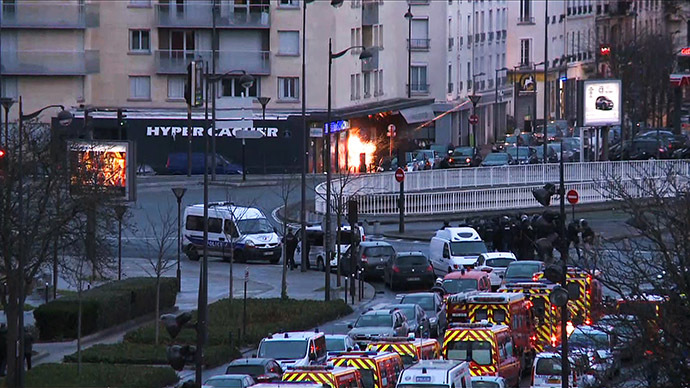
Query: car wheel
x: 192, y: 254
x: 319, y: 265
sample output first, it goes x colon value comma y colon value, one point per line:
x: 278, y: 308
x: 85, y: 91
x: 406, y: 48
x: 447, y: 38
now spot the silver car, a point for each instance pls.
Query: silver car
x: 495, y: 263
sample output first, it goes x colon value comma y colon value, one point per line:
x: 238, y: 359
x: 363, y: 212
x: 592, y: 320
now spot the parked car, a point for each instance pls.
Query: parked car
x: 498, y: 262
x: 422, y: 160
x: 387, y: 163
x: 522, y: 271
x: 523, y: 155
x: 640, y: 149
x: 417, y: 320
x: 433, y: 306
x: 554, y: 132
x: 233, y: 381
x: 178, y: 164
x: 371, y: 257
x: 465, y: 157
x: 667, y: 137
x: 488, y: 382
x: 340, y: 343
x: 465, y: 280
x: 552, y: 156
x: 571, y: 149
x: 377, y: 324
x: 497, y: 159
x: 408, y: 268
x: 526, y: 139
x: 597, y: 346
x: 262, y: 370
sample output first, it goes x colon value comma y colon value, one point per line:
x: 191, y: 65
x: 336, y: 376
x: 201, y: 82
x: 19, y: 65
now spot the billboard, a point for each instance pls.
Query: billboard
x: 602, y: 103
x: 104, y: 167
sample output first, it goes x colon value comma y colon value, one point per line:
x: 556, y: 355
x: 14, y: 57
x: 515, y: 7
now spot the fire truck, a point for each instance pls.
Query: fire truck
x: 511, y: 309
x: 586, y: 293
x: 410, y: 350
x: 326, y: 375
x: 489, y: 348
x: 378, y: 370
x: 547, y: 316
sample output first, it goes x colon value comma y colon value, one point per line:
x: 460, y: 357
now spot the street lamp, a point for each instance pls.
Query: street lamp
x: 64, y: 119
x: 496, y: 103
x: 246, y: 82
x: 119, y: 214
x: 305, y: 141
x: 546, y: 76
x: 6, y: 104
x: 409, y: 16
x: 474, y: 98
x: 179, y: 193
x: 364, y: 55
x: 263, y: 101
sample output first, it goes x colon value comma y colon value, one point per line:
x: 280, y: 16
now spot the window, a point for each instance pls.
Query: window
x: 288, y: 42
x: 140, y: 87
x: 288, y: 3
x: 352, y: 86
x: 355, y: 39
x: 176, y: 87
x: 358, y: 79
x: 139, y: 41
x: 525, y: 10
x: 525, y: 51
x: 420, y: 34
x: 140, y: 3
x: 367, y: 84
x: 231, y: 87
x: 288, y: 88
x: 381, y: 82
x: 419, y: 80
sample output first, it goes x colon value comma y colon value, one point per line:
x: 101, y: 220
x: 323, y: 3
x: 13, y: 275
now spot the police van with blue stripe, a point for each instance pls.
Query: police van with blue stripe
x: 242, y: 231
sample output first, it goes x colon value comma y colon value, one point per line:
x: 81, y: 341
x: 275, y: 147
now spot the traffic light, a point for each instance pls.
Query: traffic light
x: 554, y: 273
x: 558, y: 296
x: 194, y: 87
x: 543, y: 195
x: 352, y: 212
x: 178, y: 355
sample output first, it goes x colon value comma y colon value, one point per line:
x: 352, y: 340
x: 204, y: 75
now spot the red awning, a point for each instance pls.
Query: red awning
x: 680, y: 79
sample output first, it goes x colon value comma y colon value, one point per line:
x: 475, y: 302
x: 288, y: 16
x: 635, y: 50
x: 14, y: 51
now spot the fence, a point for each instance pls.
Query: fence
x: 485, y: 189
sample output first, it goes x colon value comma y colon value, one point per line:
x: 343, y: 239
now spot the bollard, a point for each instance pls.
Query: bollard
x: 46, y: 289
x: 345, y: 290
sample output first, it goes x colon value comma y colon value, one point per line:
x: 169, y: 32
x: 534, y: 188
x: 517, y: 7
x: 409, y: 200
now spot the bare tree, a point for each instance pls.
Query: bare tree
x: 287, y: 185
x: 160, y: 260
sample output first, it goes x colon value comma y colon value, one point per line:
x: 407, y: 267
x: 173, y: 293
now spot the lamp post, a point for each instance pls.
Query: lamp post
x: 214, y: 40
x: 179, y: 193
x: 365, y: 54
x: 496, y: 103
x: 64, y: 119
x: 546, y: 77
x: 263, y: 101
x: 305, y: 142
x: 119, y: 214
x: 474, y: 98
x: 409, y: 16
x: 6, y: 104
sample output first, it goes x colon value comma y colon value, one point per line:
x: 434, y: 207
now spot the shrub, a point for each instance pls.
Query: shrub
x: 100, y: 375
x: 102, y: 307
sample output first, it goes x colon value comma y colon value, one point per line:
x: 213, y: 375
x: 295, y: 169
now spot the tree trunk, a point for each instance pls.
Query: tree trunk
x: 12, y: 312
x: 79, y: 292
x: 158, y: 304
x: 283, y: 281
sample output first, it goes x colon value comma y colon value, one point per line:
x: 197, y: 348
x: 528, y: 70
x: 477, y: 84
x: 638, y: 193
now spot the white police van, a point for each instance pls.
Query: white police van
x: 295, y: 349
x: 244, y: 231
x: 452, y: 249
x: 436, y: 374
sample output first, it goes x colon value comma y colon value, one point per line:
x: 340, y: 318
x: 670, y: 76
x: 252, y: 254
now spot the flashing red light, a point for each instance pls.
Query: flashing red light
x: 588, y: 321
x: 2, y: 153
x: 529, y: 304
x: 605, y: 50
x: 685, y: 51
x: 553, y: 341
x: 535, y: 278
x: 533, y: 338
x: 429, y: 269
x: 396, y: 269
x: 468, y: 160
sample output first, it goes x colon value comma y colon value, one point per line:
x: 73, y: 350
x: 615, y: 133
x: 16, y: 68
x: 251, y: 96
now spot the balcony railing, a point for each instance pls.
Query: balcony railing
x: 47, y: 14
x: 49, y: 62
x: 419, y: 88
x: 419, y: 44
x: 175, y: 61
x: 200, y: 15
x: 418, y: 2
x: 526, y: 20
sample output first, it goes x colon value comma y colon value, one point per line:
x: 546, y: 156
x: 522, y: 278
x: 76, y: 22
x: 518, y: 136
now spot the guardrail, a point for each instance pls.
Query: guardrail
x: 482, y: 189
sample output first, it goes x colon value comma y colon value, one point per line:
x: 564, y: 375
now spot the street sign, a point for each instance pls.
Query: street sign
x: 248, y: 134
x: 475, y: 99
x: 573, y: 197
x: 316, y: 132
x: 399, y: 175
x: 474, y: 119
x: 246, y: 274
x: 391, y: 131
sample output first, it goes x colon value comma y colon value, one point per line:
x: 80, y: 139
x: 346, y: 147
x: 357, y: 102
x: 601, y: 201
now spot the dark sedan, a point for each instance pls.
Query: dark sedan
x: 497, y: 159
x: 522, y: 271
x: 433, y: 306
x: 409, y: 268
x: 371, y: 256
x: 262, y: 370
x: 523, y: 155
x: 464, y: 157
x: 417, y: 320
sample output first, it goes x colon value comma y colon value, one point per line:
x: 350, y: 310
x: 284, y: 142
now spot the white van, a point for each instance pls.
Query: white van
x: 317, y: 253
x: 436, y: 374
x: 452, y: 249
x: 244, y: 229
x: 294, y: 349
x: 546, y: 371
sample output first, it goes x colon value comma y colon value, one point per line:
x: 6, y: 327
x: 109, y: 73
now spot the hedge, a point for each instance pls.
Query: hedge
x: 99, y: 375
x: 103, y: 307
x: 147, y: 354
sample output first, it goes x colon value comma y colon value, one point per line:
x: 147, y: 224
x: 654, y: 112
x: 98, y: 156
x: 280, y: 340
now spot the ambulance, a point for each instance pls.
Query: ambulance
x: 547, y: 317
x: 489, y: 349
x: 436, y: 374
x: 378, y: 370
x: 586, y: 296
x: 410, y: 350
x: 326, y: 375
x: 510, y: 309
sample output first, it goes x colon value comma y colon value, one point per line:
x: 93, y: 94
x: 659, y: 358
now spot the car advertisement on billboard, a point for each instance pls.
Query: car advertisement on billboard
x: 602, y: 103
x: 101, y: 166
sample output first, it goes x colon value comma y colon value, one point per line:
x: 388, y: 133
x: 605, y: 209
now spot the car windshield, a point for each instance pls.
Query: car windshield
x: 252, y: 370
x: 521, y: 270
x: 254, y: 226
x: 498, y: 263
x: 548, y: 366
x: 426, y: 302
x: 484, y: 384
x: 455, y: 286
x: 409, y: 313
x: 224, y: 382
x: 522, y: 151
x: 589, y: 340
x: 375, y: 320
x: 410, y: 261
x: 379, y: 251
x: 496, y: 157
x: 283, y: 350
x: 477, y: 351
x: 335, y: 344
x: 464, y: 151
x: 467, y: 248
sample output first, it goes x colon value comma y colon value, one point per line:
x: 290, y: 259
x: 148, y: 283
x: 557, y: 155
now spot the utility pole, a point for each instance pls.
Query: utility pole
x: 546, y: 79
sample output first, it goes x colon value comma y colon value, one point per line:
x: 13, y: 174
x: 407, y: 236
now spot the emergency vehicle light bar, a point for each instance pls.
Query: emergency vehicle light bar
x: 311, y: 367
x: 489, y: 299
x: 355, y: 353
x: 394, y: 339
x: 470, y: 325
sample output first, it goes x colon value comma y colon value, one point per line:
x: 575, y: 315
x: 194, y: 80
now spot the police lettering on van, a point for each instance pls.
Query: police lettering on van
x: 244, y: 232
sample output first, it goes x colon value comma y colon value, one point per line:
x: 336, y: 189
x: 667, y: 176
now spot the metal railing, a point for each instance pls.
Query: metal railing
x: 419, y: 44
x: 44, y: 62
x: 439, y: 188
x: 175, y: 61
x: 200, y: 15
x: 47, y: 14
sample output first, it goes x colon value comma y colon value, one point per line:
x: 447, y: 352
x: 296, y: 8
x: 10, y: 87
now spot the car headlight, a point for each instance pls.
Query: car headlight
x: 249, y: 244
x: 432, y: 320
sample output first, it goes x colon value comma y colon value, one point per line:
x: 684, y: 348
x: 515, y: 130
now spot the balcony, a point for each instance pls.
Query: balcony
x: 49, y: 15
x: 200, y: 15
x: 38, y: 63
x: 372, y: 63
x: 419, y: 89
x: 418, y: 2
x: 419, y: 44
x: 526, y: 19
x: 175, y: 61
x: 370, y: 13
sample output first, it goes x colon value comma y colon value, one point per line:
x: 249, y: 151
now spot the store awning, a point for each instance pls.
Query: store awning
x: 680, y: 79
x: 418, y: 114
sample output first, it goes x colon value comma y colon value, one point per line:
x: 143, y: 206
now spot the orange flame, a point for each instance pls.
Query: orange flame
x: 355, y: 147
